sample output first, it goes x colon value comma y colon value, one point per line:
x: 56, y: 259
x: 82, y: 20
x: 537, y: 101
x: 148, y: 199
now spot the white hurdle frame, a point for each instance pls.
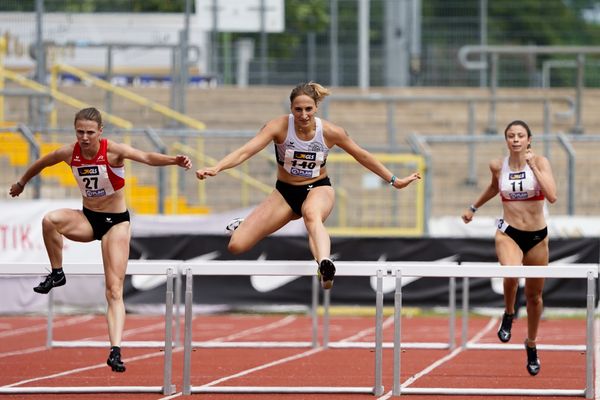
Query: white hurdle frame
x: 484, y: 270
x: 133, y: 268
x: 281, y: 268
x: 501, y: 346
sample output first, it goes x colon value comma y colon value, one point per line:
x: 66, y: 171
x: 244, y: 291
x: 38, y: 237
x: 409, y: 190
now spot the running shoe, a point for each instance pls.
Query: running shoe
x: 233, y: 225
x: 51, y: 281
x: 114, y: 362
x: 505, y: 327
x: 326, y: 272
x: 533, y: 362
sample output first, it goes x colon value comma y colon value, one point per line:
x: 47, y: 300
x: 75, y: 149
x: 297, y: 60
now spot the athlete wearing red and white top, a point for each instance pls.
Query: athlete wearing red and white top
x: 97, y: 166
x: 524, y: 181
x: 519, y: 185
x: 95, y: 176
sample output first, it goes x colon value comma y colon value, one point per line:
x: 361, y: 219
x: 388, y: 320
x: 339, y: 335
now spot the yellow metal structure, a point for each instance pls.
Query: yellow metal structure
x: 59, y: 96
x: 380, y: 205
x: 122, y: 92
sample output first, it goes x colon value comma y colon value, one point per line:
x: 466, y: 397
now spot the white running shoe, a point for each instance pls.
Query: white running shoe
x: 233, y: 225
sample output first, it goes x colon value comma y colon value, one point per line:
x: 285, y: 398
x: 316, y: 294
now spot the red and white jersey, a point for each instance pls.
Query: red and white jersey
x: 519, y: 185
x: 96, y: 177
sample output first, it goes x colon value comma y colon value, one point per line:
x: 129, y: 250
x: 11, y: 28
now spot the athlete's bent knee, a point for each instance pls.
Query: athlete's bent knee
x: 237, y: 246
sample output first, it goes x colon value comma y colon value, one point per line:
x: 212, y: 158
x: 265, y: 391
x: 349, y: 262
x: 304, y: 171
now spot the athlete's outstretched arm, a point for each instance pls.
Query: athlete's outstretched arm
x: 53, y: 158
x: 125, y: 151
x: 266, y: 135
x: 340, y: 137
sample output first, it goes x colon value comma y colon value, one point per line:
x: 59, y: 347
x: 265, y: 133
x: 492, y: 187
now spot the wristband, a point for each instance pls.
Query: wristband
x: 19, y: 185
x: 393, y: 179
x: 472, y: 208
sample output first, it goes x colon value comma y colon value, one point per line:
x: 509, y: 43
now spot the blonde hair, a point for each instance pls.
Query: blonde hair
x: 311, y: 89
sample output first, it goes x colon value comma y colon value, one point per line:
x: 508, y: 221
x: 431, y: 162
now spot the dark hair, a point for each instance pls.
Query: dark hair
x: 521, y: 123
x: 89, y: 114
x: 311, y: 89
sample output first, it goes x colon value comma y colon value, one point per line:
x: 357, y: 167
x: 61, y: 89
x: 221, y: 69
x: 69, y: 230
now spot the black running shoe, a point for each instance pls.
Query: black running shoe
x: 50, y: 282
x: 326, y: 272
x: 114, y: 362
x: 533, y: 362
x: 505, y: 327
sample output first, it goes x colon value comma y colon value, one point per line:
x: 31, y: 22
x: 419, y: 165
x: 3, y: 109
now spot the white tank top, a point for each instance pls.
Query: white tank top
x: 519, y: 185
x: 299, y: 157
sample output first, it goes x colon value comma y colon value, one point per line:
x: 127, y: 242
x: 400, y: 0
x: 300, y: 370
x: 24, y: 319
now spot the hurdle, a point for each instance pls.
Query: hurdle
x: 484, y: 270
x: 314, y: 343
x: 282, y: 268
x: 450, y: 344
x: 133, y: 268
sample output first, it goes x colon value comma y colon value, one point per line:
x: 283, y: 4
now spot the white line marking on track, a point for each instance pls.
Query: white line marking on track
x: 22, y: 352
x: 273, y: 325
x: 42, y: 327
x: 389, y: 321
x: 264, y: 366
x: 444, y: 359
x: 95, y: 366
x: 175, y: 395
x: 290, y: 358
x: 129, y: 332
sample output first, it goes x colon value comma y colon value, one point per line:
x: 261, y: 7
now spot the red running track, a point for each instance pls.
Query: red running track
x: 25, y: 361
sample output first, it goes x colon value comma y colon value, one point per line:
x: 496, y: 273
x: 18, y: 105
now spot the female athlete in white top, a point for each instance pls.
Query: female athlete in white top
x: 302, y: 142
x: 523, y: 180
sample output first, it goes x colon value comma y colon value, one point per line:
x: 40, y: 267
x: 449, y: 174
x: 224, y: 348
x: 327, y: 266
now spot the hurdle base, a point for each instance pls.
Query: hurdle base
x: 282, y: 389
x: 83, y: 389
x: 493, y: 392
x: 106, y: 344
x: 547, y: 347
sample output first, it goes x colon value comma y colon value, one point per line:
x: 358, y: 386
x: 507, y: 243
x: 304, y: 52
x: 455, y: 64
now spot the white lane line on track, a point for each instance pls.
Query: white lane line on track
x: 389, y: 321
x: 269, y: 326
x: 129, y: 332
x: 444, y: 359
x: 43, y: 327
x: 91, y: 367
x: 173, y: 396
x: 264, y: 366
x: 126, y: 333
x: 24, y: 351
x: 290, y: 358
x: 273, y: 325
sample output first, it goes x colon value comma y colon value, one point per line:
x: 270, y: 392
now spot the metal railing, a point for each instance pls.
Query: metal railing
x: 495, y: 51
x: 391, y: 102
